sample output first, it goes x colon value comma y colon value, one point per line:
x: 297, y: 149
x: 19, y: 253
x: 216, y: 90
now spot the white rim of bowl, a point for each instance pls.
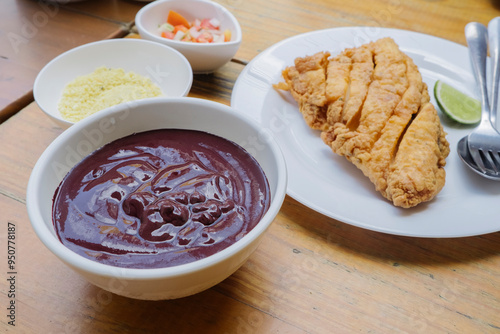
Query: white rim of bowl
x: 238, y: 40
x: 50, y: 240
x: 36, y: 83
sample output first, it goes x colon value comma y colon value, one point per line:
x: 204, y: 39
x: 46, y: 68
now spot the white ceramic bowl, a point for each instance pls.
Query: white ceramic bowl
x: 122, y: 120
x: 166, y: 67
x: 204, y: 58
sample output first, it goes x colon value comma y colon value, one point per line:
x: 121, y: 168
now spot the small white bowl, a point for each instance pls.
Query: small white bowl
x: 204, y: 58
x: 122, y: 120
x: 166, y: 67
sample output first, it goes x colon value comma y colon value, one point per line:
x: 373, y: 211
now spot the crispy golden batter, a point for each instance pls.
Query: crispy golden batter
x: 306, y: 81
x: 373, y: 108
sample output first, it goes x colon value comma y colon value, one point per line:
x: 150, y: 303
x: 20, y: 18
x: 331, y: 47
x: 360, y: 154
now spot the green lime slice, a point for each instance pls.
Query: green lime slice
x: 457, y: 105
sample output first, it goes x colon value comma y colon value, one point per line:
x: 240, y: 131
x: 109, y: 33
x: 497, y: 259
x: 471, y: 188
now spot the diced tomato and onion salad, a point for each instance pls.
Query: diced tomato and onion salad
x: 206, y: 30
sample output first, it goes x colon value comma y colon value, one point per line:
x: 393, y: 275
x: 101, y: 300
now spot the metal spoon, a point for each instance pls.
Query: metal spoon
x: 475, y: 46
x: 494, y: 46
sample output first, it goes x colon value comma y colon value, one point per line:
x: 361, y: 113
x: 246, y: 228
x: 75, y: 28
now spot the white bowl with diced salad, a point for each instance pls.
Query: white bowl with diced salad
x: 205, y: 32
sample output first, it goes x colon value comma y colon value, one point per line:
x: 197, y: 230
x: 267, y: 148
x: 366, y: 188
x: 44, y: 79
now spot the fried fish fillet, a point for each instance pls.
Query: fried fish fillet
x: 372, y: 107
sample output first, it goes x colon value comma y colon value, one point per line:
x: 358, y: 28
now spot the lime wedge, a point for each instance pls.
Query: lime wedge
x: 457, y: 105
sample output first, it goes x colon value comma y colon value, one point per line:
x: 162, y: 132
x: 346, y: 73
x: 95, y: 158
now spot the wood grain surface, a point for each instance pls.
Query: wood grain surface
x: 34, y: 32
x: 311, y: 273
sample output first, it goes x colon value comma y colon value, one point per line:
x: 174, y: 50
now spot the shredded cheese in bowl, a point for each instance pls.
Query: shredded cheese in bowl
x: 103, y: 88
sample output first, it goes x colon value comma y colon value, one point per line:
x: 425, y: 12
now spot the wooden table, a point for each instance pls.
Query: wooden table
x: 311, y: 274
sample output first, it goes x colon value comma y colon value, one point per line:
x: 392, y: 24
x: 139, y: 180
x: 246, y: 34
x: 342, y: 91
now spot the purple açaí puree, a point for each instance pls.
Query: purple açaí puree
x: 160, y: 198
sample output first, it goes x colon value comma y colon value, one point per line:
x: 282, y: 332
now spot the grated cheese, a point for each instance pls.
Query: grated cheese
x: 103, y: 88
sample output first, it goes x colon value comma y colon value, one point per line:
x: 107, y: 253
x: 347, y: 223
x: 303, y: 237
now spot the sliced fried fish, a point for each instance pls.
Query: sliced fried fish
x: 372, y: 107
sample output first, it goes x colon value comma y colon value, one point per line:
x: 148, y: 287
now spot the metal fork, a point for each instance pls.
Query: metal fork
x: 484, y: 141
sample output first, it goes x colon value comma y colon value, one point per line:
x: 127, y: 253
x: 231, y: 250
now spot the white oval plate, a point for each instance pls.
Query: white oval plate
x: 468, y: 204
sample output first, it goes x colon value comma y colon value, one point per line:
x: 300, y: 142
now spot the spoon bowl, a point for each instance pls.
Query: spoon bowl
x: 465, y: 156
